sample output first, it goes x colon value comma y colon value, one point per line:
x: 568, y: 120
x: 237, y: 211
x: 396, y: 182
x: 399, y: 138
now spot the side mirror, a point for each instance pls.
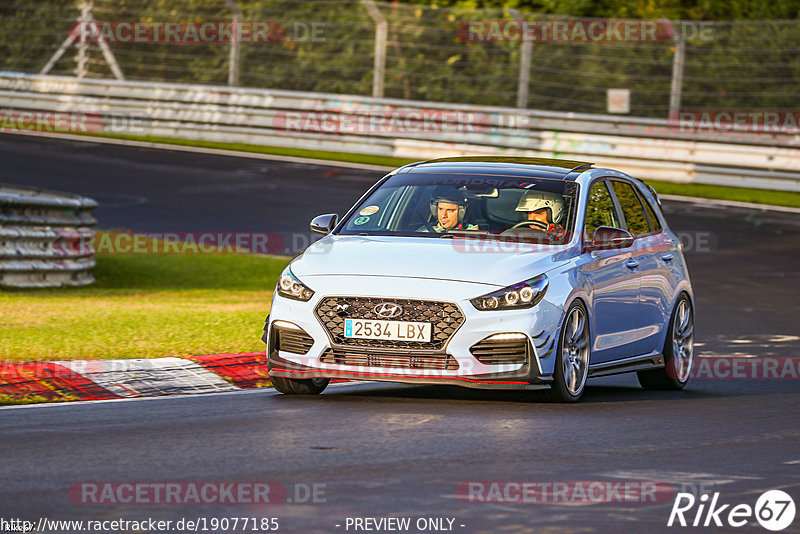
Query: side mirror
x: 608, y: 238
x: 324, y: 224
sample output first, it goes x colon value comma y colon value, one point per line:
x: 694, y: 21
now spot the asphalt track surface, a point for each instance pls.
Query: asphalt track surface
x: 401, y: 450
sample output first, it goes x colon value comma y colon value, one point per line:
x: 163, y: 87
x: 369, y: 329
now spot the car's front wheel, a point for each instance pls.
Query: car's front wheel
x: 572, y: 360
x: 678, y: 351
x: 293, y: 386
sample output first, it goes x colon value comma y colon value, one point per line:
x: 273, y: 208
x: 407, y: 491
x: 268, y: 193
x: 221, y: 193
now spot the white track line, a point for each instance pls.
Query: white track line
x: 157, y: 376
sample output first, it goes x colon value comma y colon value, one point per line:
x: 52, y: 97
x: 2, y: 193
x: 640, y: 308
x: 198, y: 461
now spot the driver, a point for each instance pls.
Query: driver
x: 544, y: 210
x: 449, y: 210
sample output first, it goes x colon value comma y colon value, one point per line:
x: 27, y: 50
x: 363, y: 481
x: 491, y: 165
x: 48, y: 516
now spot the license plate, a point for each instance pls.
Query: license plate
x: 391, y: 330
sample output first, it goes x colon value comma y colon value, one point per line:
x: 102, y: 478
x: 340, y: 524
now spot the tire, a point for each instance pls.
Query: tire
x: 678, y: 351
x: 292, y: 386
x: 572, y: 358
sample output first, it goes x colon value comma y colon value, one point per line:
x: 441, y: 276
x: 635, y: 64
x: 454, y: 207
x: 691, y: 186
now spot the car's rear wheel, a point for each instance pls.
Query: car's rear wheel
x: 678, y: 351
x: 293, y: 386
x: 572, y: 360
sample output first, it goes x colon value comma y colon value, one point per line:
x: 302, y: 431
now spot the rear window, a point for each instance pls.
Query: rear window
x: 631, y: 208
x: 655, y: 225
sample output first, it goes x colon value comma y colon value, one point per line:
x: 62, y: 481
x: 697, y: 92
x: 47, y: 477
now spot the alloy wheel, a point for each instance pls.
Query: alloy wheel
x: 575, y: 351
x: 683, y: 341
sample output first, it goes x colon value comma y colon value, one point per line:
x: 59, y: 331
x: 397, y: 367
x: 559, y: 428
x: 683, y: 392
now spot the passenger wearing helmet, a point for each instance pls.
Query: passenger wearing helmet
x: 544, y: 211
x: 449, y: 210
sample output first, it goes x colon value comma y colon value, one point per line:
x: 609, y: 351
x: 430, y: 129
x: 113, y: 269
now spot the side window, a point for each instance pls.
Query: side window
x: 599, y: 210
x: 376, y: 212
x: 655, y: 226
x: 631, y: 208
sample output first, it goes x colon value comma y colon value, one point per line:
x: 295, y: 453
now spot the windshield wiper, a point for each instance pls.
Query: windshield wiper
x: 469, y: 234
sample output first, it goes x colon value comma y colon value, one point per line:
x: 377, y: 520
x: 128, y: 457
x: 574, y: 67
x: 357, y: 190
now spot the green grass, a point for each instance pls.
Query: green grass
x: 741, y: 194
x: 144, y: 306
x: 33, y: 399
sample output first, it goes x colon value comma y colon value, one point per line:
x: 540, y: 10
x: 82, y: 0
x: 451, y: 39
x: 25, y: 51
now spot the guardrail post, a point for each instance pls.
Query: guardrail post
x: 381, y: 35
x: 233, y: 62
x: 526, y: 54
x: 82, y: 57
x: 677, y: 76
x: 85, y: 21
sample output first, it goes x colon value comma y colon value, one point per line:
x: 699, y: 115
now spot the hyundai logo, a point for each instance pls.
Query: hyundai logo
x: 388, y: 310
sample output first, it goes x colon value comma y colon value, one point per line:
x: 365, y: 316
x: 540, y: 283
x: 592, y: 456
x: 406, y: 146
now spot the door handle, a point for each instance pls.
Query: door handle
x: 632, y: 264
x: 667, y: 257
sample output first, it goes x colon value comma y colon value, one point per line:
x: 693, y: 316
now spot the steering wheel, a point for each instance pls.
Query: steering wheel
x: 535, y: 225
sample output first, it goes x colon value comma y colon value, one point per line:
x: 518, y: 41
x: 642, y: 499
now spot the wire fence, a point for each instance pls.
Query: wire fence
x: 414, y: 52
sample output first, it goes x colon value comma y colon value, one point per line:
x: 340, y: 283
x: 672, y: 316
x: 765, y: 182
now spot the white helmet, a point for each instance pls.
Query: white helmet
x: 536, y: 200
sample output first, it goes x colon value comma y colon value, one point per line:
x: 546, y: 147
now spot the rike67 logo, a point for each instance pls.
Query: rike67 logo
x: 774, y: 510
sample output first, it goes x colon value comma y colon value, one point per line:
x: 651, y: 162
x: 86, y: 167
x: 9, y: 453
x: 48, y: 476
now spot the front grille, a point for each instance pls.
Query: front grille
x: 398, y: 360
x: 444, y: 317
x: 501, y: 351
x: 294, y: 341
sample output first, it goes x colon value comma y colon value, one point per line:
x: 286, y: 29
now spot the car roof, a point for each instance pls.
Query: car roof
x: 500, y: 166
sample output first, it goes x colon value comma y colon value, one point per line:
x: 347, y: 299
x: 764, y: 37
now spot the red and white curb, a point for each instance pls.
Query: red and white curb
x: 114, y: 379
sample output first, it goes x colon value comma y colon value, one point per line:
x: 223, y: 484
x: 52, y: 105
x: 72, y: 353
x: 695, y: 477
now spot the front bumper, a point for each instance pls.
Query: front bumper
x: 539, y: 326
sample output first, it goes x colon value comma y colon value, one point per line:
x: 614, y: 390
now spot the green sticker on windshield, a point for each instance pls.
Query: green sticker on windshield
x: 361, y: 220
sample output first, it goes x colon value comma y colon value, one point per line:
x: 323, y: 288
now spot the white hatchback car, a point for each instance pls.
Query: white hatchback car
x: 491, y: 273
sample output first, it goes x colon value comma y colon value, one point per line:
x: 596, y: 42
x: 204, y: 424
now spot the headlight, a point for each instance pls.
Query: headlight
x: 292, y: 288
x: 526, y: 294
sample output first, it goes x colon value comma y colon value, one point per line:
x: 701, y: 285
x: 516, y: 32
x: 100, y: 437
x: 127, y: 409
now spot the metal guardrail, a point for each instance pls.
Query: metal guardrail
x: 648, y: 148
x: 45, y: 240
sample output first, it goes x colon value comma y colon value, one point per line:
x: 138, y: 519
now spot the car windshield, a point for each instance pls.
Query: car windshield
x: 435, y: 205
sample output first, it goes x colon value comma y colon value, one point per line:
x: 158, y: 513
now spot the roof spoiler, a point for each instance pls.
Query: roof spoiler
x: 406, y: 166
x: 576, y: 171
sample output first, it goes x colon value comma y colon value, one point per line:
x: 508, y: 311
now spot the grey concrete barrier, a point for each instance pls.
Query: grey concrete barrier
x: 45, y: 238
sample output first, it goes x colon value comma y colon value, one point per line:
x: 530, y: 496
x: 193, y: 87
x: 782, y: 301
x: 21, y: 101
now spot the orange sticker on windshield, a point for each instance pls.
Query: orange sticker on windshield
x: 369, y: 210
